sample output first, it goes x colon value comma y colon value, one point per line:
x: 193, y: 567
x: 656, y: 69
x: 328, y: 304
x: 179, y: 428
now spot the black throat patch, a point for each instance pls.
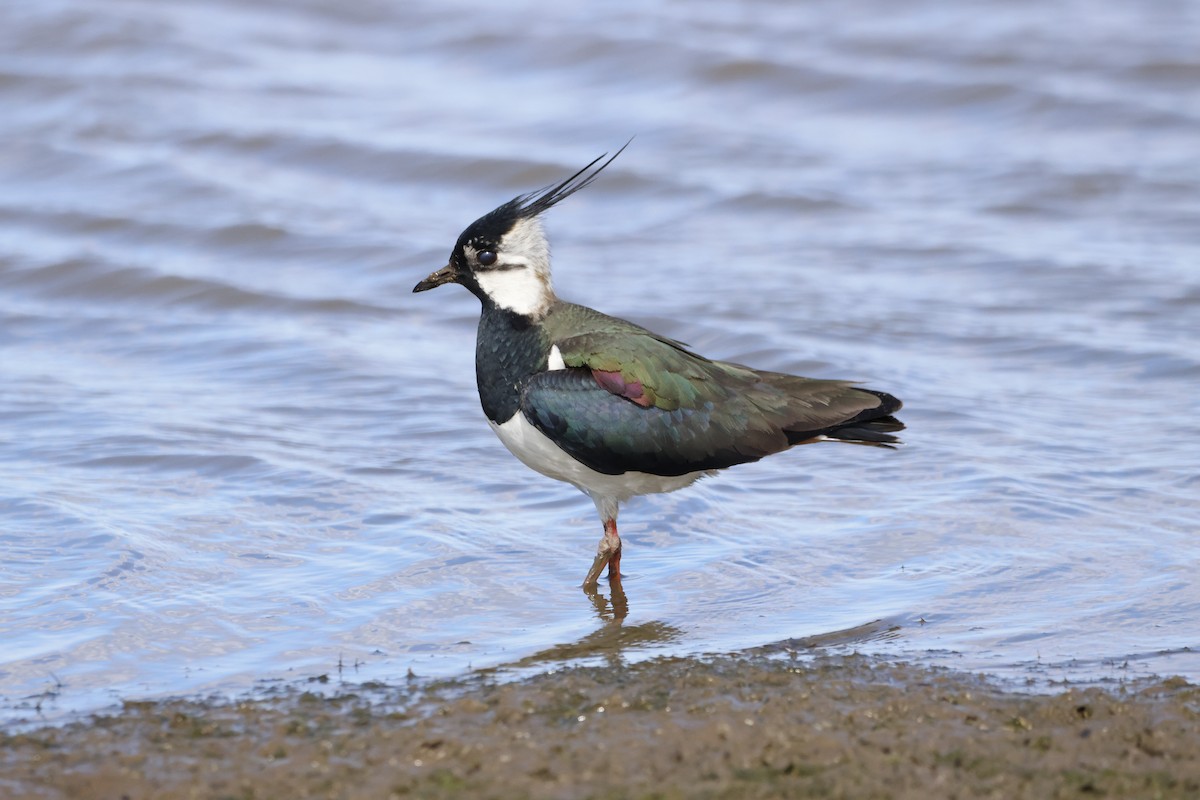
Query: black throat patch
x: 509, y: 348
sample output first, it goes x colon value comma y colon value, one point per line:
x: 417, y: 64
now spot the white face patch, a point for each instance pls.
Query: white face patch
x: 519, y: 289
x: 520, y: 279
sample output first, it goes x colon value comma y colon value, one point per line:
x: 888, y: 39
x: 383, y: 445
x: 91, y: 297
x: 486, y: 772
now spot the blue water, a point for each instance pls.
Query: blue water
x: 234, y: 447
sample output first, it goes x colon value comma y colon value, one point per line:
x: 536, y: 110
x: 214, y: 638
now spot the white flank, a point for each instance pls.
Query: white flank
x: 524, y: 287
x: 538, y: 452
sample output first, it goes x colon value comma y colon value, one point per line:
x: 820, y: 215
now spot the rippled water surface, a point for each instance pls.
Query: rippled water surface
x: 234, y: 447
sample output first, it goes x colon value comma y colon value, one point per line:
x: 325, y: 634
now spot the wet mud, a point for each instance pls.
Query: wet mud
x: 748, y: 726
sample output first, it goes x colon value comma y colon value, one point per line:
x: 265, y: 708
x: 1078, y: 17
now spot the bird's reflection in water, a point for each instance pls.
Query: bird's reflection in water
x: 613, y: 638
x: 613, y: 608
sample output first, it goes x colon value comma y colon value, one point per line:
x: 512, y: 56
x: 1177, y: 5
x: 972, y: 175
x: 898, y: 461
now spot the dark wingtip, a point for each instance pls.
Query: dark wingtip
x: 888, y: 404
x: 542, y: 200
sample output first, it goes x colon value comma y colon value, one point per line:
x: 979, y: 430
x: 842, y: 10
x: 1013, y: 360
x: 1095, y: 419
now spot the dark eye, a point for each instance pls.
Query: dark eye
x: 485, y: 258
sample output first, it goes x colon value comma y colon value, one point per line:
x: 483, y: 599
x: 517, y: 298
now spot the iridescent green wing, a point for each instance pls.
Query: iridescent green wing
x: 632, y: 400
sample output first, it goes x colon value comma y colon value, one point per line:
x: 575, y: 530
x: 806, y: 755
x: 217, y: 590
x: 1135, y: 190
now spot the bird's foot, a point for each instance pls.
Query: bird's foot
x: 608, y: 553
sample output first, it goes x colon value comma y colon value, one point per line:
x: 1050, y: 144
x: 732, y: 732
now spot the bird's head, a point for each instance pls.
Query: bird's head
x: 503, y: 257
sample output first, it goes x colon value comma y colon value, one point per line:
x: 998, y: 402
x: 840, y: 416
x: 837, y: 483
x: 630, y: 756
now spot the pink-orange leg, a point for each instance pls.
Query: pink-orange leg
x: 614, y: 563
x: 607, y: 553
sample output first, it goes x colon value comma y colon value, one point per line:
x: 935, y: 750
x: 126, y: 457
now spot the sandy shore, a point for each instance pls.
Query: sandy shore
x: 728, y: 727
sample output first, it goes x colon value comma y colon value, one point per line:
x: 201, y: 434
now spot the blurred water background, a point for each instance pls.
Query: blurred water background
x: 234, y: 448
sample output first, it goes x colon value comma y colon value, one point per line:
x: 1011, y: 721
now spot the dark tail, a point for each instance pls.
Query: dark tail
x: 874, y: 426
x: 877, y: 432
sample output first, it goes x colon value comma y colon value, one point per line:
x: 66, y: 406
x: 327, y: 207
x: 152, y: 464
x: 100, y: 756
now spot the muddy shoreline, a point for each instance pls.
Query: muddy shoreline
x: 724, y: 727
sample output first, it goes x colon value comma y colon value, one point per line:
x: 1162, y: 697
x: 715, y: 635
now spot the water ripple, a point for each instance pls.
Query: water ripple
x: 233, y: 443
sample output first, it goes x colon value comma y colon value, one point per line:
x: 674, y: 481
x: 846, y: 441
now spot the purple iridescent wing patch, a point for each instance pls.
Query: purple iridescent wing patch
x: 615, y: 383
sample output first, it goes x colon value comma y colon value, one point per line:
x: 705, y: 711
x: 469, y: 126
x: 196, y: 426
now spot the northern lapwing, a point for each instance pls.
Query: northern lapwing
x: 611, y: 407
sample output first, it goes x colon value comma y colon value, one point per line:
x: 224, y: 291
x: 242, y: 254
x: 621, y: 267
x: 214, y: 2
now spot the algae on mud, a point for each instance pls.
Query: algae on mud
x: 724, y: 727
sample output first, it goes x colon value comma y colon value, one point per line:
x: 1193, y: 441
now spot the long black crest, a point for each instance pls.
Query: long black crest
x: 541, y: 200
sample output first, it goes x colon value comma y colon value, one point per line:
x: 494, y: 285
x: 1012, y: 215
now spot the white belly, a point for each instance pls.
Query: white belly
x: 538, y: 452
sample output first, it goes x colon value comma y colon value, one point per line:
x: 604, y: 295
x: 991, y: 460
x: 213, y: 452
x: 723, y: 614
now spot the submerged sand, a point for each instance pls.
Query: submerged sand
x: 726, y: 727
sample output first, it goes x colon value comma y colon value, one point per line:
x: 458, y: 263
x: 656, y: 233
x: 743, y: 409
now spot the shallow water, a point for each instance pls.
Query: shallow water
x: 234, y: 447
